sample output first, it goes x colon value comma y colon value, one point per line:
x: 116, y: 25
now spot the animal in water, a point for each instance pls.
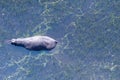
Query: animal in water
x: 35, y: 43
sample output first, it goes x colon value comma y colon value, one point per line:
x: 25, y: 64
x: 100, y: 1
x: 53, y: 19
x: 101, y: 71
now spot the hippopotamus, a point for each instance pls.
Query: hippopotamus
x: 35, y: 43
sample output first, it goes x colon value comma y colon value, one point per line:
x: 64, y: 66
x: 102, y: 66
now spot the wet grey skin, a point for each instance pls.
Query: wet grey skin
x: 35, y: 43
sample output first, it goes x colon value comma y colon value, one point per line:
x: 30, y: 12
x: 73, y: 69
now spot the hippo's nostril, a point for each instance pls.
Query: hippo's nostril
x: 56, y: 42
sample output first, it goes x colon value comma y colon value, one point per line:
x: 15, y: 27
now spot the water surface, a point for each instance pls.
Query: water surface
x: 88, y: 32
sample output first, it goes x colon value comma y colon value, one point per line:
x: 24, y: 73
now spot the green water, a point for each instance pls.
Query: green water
x: 88, y: 32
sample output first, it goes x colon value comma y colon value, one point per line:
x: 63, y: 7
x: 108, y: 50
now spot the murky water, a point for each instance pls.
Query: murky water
x: 88, y: 32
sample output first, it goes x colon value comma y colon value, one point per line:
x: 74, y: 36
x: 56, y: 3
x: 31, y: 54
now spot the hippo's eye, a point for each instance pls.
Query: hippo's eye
x: 46, y: 43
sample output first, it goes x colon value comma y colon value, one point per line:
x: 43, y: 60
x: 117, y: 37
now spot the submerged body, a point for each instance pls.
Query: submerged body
x: 36, y: 43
